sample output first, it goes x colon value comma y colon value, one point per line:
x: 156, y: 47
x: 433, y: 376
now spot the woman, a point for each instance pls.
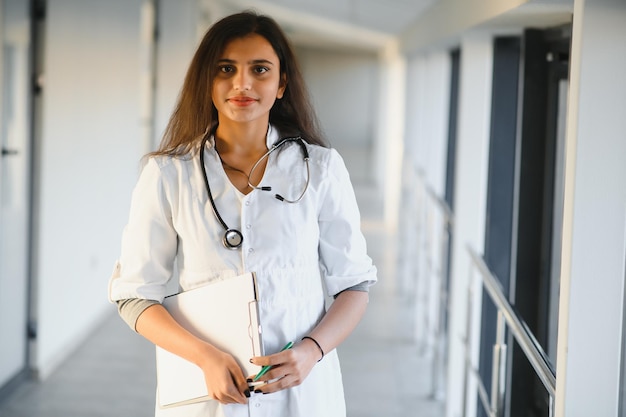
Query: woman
x: 242, y: 94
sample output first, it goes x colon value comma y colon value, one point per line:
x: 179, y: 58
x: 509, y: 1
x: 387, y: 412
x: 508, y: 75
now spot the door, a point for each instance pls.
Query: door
x: 14, y: 185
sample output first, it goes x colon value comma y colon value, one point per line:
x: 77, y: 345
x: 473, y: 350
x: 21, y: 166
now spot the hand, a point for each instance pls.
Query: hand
x: 289, y: 367
x: 223, y: 376
x: 224, y: 379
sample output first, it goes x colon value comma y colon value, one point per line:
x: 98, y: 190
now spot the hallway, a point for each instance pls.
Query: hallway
x: 112, y: 373
x: 495, y: 129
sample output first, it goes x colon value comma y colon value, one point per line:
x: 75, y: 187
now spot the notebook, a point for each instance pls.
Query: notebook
x: 224, y: 313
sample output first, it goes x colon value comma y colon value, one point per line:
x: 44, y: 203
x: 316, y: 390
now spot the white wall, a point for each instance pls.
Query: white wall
x: 426, y: 137
x: 594, y: 226
x: 469, y: 215
x: 343, y: 87
x: 89, y: 150
x: 178, y: 39
x: 428, y: 87
x: 389, y: 143
x: 15, y: 87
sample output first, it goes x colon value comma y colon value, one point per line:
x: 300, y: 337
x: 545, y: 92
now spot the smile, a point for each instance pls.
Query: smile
x: 242, y: 101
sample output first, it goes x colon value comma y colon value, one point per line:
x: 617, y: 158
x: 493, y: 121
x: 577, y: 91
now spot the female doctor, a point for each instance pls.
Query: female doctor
x: 243, y: 182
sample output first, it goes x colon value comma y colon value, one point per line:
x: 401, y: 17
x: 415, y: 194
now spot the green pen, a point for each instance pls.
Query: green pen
x: 268, y: 367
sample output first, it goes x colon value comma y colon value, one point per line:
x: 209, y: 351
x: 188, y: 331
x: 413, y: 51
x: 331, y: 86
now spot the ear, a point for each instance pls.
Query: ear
x: 281, y: 86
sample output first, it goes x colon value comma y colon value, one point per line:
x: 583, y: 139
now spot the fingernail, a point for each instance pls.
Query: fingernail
x: 250, y: 360
x: 258, y: 391
x: 247, y: 393
x: 249, y: 380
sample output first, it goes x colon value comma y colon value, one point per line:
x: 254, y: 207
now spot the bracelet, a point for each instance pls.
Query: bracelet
x: 316, y: 344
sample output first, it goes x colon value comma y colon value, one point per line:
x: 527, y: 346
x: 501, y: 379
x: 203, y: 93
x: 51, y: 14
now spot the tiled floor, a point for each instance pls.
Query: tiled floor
x: 112, y: 374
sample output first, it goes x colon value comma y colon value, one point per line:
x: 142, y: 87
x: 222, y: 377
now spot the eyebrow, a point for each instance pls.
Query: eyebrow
x: 253, y: 62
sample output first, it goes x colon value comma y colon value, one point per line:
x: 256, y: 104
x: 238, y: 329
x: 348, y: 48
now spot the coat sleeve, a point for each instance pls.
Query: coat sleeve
x: 342, y: 247
x: 149, y: 241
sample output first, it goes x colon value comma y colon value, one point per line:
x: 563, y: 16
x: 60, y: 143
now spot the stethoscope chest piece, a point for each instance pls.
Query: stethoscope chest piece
x: 232, y: 239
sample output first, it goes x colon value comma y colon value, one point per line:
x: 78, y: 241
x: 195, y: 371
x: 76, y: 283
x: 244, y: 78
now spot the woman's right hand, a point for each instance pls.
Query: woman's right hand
x: 225, y: 381
x: 224, y: 378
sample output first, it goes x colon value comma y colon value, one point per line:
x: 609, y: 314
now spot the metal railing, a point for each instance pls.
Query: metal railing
x: 441, y: 330
x: 435, y: 227
x: 434, y: 207
x: 507, y: 317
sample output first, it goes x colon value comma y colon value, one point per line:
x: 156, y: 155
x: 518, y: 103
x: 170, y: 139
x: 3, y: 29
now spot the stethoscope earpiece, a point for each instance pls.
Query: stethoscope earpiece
x: 232, y: 237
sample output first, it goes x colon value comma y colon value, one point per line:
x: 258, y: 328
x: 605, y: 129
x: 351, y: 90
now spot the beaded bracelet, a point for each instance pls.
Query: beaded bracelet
x: 317, y: 344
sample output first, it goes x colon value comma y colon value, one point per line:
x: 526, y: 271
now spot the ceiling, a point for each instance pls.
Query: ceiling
x: 374, y: 25
x: 354, y: 24
x: 387, y: 16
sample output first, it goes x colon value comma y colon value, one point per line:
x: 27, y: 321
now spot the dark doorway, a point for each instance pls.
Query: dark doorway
x: 537, y: 267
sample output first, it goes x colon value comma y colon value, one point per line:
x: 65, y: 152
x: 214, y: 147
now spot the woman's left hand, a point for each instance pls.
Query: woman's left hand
x: 289, y: 367
x: 292, y: 366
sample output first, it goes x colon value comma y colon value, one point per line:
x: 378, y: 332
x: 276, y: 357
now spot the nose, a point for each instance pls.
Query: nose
x: 241, y: 81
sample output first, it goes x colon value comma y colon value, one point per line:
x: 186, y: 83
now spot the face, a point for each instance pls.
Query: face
x: 248, y: 81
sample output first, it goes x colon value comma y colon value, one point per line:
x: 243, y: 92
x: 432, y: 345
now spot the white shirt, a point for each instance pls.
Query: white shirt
x: 300, y: 252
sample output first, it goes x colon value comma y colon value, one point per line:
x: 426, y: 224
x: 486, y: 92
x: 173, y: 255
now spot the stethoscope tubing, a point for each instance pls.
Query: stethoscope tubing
x: 233, y: 238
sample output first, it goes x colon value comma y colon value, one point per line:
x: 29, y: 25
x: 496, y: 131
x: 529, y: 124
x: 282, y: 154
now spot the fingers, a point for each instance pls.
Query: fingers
x: 230, y: 396
x: 276, y: 383
x: 241, y: 392
x: 289, y: 368
x: 276, y: 364
x: 243, y: 386
x: 276, y: 359
x: 229, y: 393
x: 228, y: 386
x: 269, y: 363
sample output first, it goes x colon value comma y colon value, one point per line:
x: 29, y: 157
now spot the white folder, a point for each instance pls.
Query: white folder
x: 225, y: 314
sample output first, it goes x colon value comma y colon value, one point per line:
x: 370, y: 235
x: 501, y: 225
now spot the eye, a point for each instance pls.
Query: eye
x: 226, y: 69
x: 260, y: 69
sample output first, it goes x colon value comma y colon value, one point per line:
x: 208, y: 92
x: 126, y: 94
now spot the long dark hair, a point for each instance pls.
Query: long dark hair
x: 195, y: 115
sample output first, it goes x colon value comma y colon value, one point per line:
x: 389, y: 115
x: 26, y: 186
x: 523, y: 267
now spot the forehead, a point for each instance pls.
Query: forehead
x: 249, y: 47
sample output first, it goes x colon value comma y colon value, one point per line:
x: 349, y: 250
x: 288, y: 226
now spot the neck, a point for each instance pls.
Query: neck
x: 241, y: 137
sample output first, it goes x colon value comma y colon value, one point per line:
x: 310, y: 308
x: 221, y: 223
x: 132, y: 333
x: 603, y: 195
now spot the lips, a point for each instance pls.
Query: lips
x: 242, y: 100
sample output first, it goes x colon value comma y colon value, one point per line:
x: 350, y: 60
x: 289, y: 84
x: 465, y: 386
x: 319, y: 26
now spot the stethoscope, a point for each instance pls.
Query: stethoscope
x: 232, y: 237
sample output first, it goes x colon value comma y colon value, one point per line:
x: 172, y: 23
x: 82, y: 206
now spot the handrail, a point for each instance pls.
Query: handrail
x: 440, y: 206
x: 507, y: 317
x: 443, y: 205
x: 527, y: 341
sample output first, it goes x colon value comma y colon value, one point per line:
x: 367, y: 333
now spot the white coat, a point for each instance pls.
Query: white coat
x: 301, y: 253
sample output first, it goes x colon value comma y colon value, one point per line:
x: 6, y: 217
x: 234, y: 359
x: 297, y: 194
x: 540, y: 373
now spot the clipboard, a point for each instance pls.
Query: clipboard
x: 225, y: 314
